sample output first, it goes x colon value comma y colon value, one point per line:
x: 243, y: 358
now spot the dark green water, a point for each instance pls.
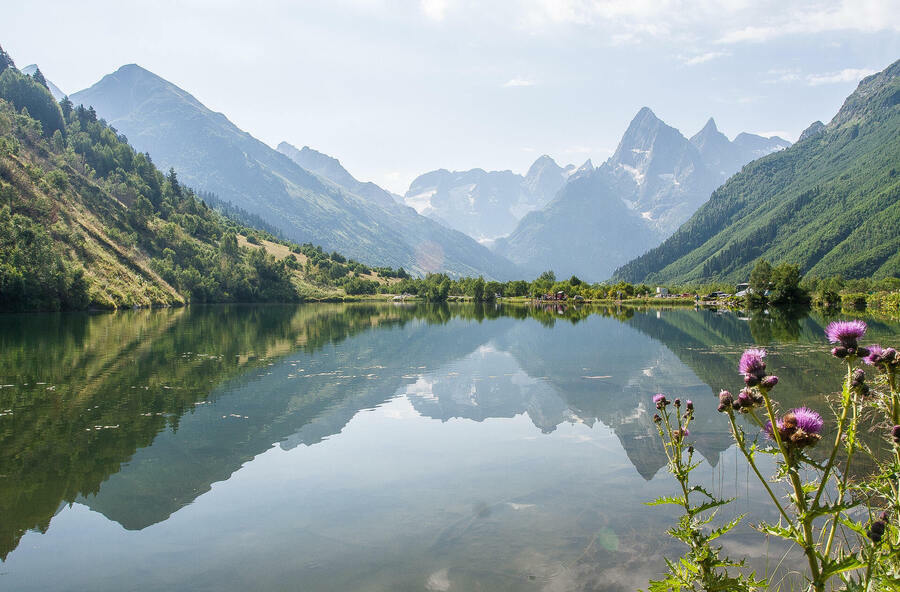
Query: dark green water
x: 368, y: 447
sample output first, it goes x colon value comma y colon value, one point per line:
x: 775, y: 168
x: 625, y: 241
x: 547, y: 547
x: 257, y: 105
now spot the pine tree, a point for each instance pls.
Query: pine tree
x: 39, y: 78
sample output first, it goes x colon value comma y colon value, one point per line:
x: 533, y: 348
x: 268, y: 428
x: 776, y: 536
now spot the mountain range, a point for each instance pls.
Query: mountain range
x: 830, y: 203
x: 486, y: 204
x: 607, y: 215
x: 213, y: 155
x: 587, y: 221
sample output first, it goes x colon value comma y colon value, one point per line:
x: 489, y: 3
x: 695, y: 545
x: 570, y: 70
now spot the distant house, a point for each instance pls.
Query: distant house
x: 661, y: 291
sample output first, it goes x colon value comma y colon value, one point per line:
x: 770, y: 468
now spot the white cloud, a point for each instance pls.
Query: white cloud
x: 782, y: 75
x: 845, y: 75
x: 841, y: 15
x: 518, y: 81
x: 434, y: 9
x: 728, y: 21
x: 703, y: 57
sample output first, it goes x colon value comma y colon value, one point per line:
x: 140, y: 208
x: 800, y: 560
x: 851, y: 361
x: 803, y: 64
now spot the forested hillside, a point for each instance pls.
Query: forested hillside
x: 86, y: 221
x: 830, y: 203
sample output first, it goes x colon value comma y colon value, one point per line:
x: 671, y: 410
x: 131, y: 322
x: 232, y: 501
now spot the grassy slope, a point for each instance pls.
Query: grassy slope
x: 87, y: 220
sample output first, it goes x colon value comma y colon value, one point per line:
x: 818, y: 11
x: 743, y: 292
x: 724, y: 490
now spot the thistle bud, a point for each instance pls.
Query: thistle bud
x: 725, y: 400
x: 656, y: 418
x: 876, y: 531
x: 769, y: 382
x: 679, y: 435
x: 678, y: 402
x: 839, y: 352
x: 895, y: 433
x: 690, y: 405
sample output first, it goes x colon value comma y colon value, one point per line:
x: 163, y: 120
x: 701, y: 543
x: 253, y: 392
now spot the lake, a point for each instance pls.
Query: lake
x: 371, y: 446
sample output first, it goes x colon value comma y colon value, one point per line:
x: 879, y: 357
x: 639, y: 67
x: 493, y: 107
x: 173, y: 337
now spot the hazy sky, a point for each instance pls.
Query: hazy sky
x: 395, y: 88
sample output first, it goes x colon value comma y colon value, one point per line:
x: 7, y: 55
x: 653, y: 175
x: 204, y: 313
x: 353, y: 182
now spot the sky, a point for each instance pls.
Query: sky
x: 396, y: 88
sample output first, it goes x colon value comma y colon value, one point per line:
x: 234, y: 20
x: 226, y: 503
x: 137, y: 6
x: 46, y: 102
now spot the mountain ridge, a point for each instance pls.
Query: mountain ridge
x: 212, y: 154
x: 485, y: 204
x: 659, y: 176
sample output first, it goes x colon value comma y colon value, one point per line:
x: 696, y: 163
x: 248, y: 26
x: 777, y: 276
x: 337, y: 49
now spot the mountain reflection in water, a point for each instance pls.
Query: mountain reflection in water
x: 164, y: 422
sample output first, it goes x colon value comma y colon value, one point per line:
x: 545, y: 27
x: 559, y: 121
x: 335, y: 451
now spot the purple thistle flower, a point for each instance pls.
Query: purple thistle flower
x: 659, y: 398
x: 752, y: 363
x: 808, y: 420
x: 847, y: 333
x: 798, y: 428
x: 875, y: 354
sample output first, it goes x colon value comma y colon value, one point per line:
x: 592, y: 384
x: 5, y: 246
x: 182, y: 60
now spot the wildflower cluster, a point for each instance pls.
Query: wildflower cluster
x: 814, y: 512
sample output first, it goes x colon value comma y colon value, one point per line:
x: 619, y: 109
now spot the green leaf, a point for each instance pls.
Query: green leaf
x: 832, y: 568
x: 780, y: 531
x: 717, y: 532
x: 714, y: 503
x: 666, y: 499
x: 857, y: 527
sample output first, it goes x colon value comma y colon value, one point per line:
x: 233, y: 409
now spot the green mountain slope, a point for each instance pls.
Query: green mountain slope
x: 212, y: 154
x: 86, y: 221
x: 830, y: 203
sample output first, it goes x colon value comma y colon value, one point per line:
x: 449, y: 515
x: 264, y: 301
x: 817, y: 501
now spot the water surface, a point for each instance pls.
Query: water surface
x: 368, y: 447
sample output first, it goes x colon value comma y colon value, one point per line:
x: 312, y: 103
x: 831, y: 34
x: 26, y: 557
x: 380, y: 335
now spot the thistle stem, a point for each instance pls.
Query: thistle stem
x: 800, y: 499
x: 739, y: 438
x: 845, y: 403
x: 842, y: 484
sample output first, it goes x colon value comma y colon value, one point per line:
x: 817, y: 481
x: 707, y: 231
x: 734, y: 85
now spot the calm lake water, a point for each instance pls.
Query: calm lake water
x: 369, y: 447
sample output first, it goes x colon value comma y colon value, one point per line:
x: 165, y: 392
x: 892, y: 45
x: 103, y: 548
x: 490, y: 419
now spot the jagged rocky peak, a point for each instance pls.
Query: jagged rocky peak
x: 709, y: 137
x: 545, y: 178
x: 542, y: 165
x: 584, y: 169
x: 814, y: 129
x: 640, y: 134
